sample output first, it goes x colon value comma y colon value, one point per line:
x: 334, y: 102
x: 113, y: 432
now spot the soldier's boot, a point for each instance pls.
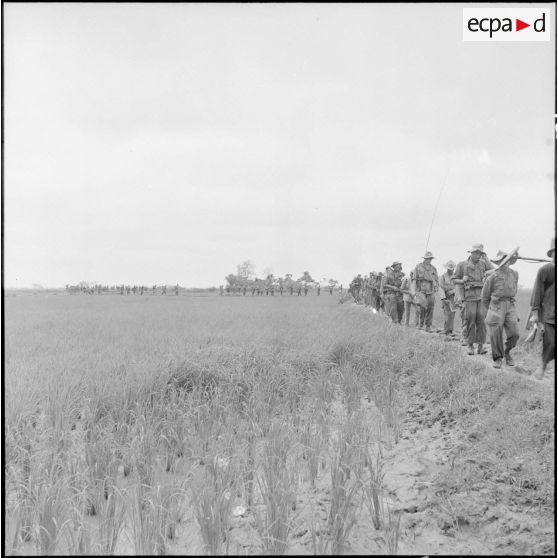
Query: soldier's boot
x: 497, y: 363
x: 481, y: 349
x: 471, y: 349
x: 509, y: 359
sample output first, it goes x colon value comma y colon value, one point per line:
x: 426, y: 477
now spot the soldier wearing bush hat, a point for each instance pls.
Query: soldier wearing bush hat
x: 543, y: 309
x: 425, y: 283
x: 468, y: 279
x: 498, y: 296
x: 448, y: 289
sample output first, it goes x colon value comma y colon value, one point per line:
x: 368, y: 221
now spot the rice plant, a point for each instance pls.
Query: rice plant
x: 277, y: 482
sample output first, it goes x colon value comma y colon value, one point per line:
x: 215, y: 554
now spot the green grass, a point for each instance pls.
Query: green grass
x: 152, y: 418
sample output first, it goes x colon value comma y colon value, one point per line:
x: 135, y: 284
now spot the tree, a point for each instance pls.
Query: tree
x: 232, y: 280
x: 333, y: 282
x: 306, y: 277
x: 245, y: 270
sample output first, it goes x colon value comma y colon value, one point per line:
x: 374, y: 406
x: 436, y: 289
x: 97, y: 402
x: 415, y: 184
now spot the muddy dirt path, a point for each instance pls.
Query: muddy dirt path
x: 475, y: 520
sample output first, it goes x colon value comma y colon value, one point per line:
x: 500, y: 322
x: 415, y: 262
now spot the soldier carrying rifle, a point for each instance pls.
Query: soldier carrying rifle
x: 498, y: 295
x: 468, y: 279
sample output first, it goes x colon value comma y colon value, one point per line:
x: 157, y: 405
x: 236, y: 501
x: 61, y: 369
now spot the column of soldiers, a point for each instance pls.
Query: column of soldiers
x: 121, y: 289
x: 482, y: 290
x: 271, y: 287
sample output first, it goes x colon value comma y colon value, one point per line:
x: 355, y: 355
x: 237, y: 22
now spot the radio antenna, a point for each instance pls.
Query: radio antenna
x: 436, y: 208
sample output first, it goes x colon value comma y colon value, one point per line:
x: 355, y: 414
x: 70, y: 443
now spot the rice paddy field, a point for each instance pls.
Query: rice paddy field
x: 264, y: 425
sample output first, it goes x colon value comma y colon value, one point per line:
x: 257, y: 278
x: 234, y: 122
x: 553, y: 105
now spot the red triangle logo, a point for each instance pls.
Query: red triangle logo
x: 519, y: 25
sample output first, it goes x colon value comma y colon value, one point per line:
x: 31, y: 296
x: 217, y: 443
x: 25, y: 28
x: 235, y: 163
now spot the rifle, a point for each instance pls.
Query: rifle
x: 472, y: 284
x: 503, y: 262
x: 533, y: 260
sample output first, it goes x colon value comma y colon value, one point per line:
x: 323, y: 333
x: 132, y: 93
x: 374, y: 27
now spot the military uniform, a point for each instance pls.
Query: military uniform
x: 543, y: 301
x: 379, y: 303
x: 408, y: 300
x: 426, y: 285
x: 448, y: 288
x: 473, y: 311
x: 543, y: 306
x: 369, y: 290
x: 498, y: 295
x: 354, y: 288
x: 391, y: 286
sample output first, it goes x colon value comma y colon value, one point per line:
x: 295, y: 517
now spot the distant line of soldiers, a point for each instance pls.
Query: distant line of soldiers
x: 482, y: 290
x: 259, y: 287
x: 120, y: 289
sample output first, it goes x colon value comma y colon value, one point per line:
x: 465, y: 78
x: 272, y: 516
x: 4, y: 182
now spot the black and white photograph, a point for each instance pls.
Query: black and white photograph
x: 279, y: 278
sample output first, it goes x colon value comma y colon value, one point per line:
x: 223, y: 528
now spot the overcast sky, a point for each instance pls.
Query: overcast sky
x: 165, y: 143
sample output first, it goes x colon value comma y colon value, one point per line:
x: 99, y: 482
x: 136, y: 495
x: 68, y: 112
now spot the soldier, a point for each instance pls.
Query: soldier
x: 164, y: 290
x: 378, y: 289
x: 291, y: 289
x: 176, y: 289
x: 425, y: 282
x: 384, y: 292
x: 331, y: 290
x: 299, y: 289
x: 127, y: 290
x: 355, y: 287
x: 391, y: 285
x: 154, y: 290
x: 141, y: 290
x: 305, y: 289
x: 367, y: 284
x: 121, y: 289
x: 468, y: 279
x: 244, y: 290
x: 408, y: 298
x: 319, y: 288
x: 221, y: 293
x: 448, y: 290
x: 498, y: 296
x: 543, y: 309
